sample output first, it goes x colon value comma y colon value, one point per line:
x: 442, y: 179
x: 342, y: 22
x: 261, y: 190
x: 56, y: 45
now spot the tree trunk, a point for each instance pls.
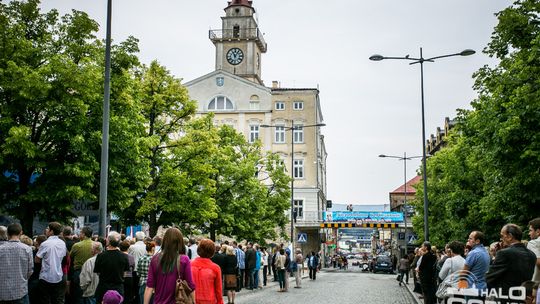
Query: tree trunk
x: 213, y: 232
x: 27, y: 221
x: 152, y: 222
x: 26, y: 215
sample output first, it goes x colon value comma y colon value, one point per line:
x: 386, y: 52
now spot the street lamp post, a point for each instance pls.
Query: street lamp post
x: 421, y: 60
x: 404, y: 159
x: 292, y: 128
x: 104, y: 171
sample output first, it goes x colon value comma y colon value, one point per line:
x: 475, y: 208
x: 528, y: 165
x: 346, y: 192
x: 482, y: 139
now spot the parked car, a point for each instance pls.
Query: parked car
x: 383, y: 263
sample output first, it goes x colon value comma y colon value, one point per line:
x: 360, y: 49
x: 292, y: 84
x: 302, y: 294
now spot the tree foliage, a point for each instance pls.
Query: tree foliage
x: 251, y: 191
x: 46, y: 85
x: 489, y: 174
x: 51, y: 95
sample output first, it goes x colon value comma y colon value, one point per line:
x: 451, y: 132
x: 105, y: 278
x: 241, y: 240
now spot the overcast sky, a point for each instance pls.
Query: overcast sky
x: 370, y: 108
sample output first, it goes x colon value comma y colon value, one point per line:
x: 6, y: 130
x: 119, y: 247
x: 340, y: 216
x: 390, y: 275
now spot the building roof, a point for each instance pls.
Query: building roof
x: 240, y: 3
x: 295, y: 89
x: 410, y: 189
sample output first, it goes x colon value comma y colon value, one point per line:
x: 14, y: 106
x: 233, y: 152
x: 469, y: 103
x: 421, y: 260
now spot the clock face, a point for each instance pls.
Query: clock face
x: 235, y: 56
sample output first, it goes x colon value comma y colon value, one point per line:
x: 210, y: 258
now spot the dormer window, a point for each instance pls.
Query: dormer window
x: 220, y: 103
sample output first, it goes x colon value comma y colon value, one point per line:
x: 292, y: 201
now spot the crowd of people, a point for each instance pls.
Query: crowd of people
x: 492, y: 272
x: 59, y: 267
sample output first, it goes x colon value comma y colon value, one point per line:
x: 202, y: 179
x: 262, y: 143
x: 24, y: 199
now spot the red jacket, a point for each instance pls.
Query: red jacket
x: 207, y: 278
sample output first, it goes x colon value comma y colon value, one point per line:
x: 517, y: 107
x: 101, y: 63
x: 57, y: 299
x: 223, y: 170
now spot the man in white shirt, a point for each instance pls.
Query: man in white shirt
x: 52, y: 283
x: 193, y: 247
x: 534, y: 245
x: 88, y: 278
x: 138, y: 250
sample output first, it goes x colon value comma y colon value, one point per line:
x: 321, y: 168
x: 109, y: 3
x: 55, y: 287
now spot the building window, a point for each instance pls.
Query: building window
x: 253, y: 133
x: 299, y: 208
x: 220, y: 103
x: 280, y: 105
x: 298, y: 105
x: 280, y: 135
x: 236, y: 31
x: 298, y: 168
x: 254, y: 102
x: 298, y: 134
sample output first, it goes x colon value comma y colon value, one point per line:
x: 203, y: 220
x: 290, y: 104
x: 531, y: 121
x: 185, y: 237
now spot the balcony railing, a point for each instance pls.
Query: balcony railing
x: 238, y: 34
x: 309, y: 217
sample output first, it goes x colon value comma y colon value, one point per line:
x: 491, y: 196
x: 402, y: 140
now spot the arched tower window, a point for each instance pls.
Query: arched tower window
x: 254, y: 102
x: 220, y: 103
x: 236, y: 31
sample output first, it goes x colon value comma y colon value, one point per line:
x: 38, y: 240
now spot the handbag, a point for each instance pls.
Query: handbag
x: 442, y: 290
x: 183, y: 294
x: 230, y: 281
x: 398, y: 278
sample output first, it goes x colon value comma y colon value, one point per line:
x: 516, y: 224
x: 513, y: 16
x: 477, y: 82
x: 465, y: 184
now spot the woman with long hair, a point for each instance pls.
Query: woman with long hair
x: 207, y: 275
x: 165, y: 268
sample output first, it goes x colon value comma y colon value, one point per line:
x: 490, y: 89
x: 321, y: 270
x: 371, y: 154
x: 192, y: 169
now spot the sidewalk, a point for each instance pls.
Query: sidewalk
x: 415, y: 296
x: 292, y: 280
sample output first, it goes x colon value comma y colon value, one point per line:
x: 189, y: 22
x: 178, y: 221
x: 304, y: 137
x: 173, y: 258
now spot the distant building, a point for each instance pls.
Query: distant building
x: 371, y: 207
x: 404, y: 192
x: 438, y: 140
x: 400, y: 197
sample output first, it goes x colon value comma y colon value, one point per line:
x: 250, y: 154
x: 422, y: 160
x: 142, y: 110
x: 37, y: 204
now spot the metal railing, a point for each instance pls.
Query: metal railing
x: 244, y: 33
x: 310, y: 216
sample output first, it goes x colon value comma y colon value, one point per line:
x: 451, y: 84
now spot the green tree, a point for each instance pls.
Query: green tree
x: 166, y: 107
x: 505, y: 119
x: 488, y: 176
x: 251, y: 190
x: 455, y: 188
x: 51, y: 114
x: 46, y: 82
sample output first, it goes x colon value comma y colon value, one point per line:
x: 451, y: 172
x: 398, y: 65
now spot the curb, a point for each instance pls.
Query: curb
x: 413, y: 294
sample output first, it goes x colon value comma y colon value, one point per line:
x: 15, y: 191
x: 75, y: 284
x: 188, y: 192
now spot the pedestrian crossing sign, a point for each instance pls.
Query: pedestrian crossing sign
x: 302, y: 238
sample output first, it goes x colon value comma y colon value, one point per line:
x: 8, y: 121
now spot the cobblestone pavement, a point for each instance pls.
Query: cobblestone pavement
x: 331, y: 287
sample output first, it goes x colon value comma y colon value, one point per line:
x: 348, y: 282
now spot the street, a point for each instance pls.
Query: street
x: 334, y: 286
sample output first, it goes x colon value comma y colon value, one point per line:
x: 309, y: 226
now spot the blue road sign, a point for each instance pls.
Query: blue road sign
x: 302, y: 238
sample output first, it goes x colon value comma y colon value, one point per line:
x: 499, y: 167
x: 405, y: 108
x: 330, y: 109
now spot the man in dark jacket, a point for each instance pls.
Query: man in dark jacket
x: 251, y: 260
x: 514, y: 264
x: 313, y: 263
x: 427, y: 274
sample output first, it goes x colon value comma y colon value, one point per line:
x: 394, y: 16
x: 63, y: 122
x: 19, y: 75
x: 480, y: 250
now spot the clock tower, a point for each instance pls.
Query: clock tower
x: 240, y: 43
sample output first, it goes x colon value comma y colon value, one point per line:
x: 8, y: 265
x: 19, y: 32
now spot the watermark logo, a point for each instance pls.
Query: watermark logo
x: 460, y: 287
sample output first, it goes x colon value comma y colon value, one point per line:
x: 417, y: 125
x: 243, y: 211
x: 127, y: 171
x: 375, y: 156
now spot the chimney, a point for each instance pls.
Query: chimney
x: 275, y: 84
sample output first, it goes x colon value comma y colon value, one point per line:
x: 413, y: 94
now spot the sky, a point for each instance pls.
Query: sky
x: 370, y: 108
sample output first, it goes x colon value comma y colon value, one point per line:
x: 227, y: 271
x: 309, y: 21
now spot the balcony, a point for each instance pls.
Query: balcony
x: 309, y: 219
x: 238, y: 34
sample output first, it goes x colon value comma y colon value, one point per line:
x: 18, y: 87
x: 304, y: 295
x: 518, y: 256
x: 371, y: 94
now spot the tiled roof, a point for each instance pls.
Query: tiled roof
x: 410, y: 189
